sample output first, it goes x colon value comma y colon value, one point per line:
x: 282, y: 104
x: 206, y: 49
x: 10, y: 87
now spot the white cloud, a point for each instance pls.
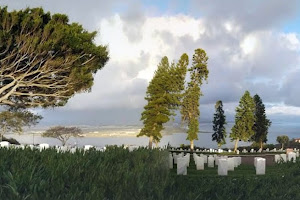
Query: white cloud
x: 284, y: 110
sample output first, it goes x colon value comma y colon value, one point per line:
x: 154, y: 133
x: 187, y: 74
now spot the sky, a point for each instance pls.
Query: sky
x: 252, y: 45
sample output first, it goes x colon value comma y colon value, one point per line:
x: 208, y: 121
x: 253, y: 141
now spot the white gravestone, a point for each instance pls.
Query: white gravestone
x: 297, y: 154
x: 277, y: 158
x: 252, y: 150
x: 187, y: 158
x: 223, y: 167
x: 255, y: 160
x: 237, y: 151
x: 4, y: 144
x: 170, y: 161
x: 261, y: 166
x: 230, y: 164
x: 211, y: 161
x: 205, y: 158
x: 292, y: 156
x: 229, y: 150
x: 44, y: 146
x: 236, y: 161
x: 245, y: 151
x: 200, y: 163
x: 181, y: 166
x: 283, y: 157
x: 88, y: 147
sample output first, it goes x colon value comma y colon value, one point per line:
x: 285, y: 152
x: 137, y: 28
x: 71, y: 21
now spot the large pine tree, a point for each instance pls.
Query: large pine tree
x: 163, y: 95
x: 219, y: 123
x: 190, y: 105
x: 244, y: 120
x: 261, y: 124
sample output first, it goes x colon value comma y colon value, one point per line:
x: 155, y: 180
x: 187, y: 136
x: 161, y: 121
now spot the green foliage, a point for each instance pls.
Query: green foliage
x: 163, y: 95
x: 282, y: 139
x: 62, y: 133
x: 261, y: 124
x: 13, y: 120
x: 113, y: 174
x: 44, y: 59
x: 244, y: 119
x: 190, y: 112
x: 219, y: 123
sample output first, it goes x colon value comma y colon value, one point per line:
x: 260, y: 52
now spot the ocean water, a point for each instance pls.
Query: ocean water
x: 175, y: 139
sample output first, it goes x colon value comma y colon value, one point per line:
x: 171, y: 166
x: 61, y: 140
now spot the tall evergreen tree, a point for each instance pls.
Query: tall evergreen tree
x: 261, y: 124
x: 190, y: 104
x: 163, y: 95
x: 219, y: 123
x: 244, y: 120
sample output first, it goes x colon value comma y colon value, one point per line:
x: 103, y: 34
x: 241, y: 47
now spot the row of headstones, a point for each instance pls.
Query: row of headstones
x: 291, y: 156
x: 229, y: 150
x: 43, y: 146
x: 224, y: 163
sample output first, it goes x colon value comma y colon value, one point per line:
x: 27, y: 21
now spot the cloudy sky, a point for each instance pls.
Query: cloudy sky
x: 252, y: 45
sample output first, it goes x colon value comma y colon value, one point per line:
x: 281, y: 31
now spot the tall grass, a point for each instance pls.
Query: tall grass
x: 141, y: 174
x: 113, y: 174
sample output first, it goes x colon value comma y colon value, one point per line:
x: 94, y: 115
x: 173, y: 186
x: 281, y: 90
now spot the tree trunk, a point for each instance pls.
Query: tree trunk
x: 156, y: 144
x: 235, y: 145
x: 192, y: 145
x: 150, y: 142
x: 261, y: 145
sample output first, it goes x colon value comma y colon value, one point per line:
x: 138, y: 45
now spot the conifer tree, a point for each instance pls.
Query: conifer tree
x: 244, y: 120
x: 190, y: 104
x: 163, y: 95
x: 261, y: 124
x: 219, y: 123
x: 44, y: 59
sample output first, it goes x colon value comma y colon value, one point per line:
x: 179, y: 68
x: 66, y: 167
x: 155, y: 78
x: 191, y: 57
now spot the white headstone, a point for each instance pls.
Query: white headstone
x: 187, y: 158
x: 200, y: 163
x: 252, y: 150
x: 259, y: 150
x: 4, y: 144
x: 255, y: 160
x: 277, y: 158
x: 283, y: 157
x: 87, y: 147
x: 236, y: 161
x: 220, y: 150
x: 223, y: 167
x: 245, y: 151
x: 181, y: 166
x: 205, y: 158
x: 170, y: 161
x: 292, y: 156
x: 229, y: 150
x: 267, y: 150
x: 237, y: 152
x: 297, y: 154
x: 274, y: 150
x: 230, y: 164
x: 261, y: 166
x: 211, y: 161
x: 44, y: 146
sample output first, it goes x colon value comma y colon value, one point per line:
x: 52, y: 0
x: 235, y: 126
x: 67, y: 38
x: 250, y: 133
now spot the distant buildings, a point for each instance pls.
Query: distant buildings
x: 297, y: 140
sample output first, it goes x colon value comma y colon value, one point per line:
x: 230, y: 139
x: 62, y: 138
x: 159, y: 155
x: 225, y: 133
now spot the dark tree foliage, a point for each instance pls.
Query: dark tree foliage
x: 219, y: 123
x: 244, y: 120
x: 45, y: 60
x: 261, y: 124
x: 163, y: 97
x: 62, y: 133
x: 13, y: 120
x: 282, y: 139
x: 190, y: 112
